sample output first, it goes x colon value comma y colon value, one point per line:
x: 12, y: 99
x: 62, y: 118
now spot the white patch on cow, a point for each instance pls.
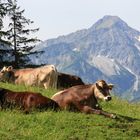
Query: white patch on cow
x: 58, y: 93
x: 105, y: 98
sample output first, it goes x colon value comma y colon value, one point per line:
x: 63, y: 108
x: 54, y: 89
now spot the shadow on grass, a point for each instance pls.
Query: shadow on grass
x: 123, y: 118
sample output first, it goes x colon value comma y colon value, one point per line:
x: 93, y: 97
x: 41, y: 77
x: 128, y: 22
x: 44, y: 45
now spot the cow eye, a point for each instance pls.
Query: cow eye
x: 100, y: 89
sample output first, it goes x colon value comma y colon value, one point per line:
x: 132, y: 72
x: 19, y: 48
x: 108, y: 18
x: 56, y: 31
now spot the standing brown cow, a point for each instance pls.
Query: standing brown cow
x: 44, y: 76
x: 84, y: 98
x: 25, y: 100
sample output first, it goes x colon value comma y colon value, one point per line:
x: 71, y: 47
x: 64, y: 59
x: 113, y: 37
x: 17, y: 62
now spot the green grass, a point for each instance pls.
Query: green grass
x: 64, y: 125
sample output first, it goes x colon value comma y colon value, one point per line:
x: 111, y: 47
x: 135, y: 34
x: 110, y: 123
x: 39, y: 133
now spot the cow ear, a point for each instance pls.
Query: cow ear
x: 97, y: 85
x: 10, y: 68
x: 110, y: 86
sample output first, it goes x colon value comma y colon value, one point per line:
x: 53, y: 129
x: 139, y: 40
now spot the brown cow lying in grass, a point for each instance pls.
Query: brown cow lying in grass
x: 25, y: 101
x: 84, y: 98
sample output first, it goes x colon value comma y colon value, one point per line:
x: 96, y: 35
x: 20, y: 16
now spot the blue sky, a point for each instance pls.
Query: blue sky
x: 60, y: 17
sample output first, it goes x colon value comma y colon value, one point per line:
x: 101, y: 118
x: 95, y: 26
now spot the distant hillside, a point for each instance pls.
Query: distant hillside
x: 109, y: 50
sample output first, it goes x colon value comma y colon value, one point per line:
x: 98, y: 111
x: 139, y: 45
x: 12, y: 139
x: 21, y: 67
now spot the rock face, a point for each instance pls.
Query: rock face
x: 109, y: 50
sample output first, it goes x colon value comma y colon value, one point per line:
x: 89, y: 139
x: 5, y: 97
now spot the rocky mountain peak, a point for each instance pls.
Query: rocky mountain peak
x: 107, y: 22
x: 108, y: 50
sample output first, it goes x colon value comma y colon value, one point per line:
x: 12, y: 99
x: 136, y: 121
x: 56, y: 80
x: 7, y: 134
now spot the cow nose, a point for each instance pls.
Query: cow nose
x: 109, y: 98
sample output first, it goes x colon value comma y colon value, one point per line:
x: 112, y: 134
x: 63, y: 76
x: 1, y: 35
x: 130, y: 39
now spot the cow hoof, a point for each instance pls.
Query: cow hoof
x: 113, y: 116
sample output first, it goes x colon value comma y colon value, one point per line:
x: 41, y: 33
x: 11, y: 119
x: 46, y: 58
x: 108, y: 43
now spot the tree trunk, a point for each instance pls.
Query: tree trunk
x: 15, y: 45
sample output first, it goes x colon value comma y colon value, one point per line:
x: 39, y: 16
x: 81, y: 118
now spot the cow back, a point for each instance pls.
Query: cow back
x: 45, y: 76
x: 67, y: 80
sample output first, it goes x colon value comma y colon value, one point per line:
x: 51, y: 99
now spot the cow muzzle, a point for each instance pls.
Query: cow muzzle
x: 107, y: 98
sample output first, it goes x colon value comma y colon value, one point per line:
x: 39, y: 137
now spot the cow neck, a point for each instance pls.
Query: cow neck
x: 93, y: 89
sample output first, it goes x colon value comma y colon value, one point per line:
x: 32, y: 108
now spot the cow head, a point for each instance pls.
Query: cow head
x: 102, y: 90
x: 5, y: 69
x: 6, y: 73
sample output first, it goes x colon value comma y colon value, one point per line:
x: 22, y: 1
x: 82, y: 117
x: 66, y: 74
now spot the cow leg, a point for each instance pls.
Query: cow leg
x: 107, y: 114
x: 26, y: 108
x: 89, y: 110
x: 45, y: 86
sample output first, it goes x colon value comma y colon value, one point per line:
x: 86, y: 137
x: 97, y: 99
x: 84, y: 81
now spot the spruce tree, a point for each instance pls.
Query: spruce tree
x: 19, y: 35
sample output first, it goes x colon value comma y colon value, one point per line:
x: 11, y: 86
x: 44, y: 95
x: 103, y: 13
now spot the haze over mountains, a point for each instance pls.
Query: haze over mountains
x: 109, y: 50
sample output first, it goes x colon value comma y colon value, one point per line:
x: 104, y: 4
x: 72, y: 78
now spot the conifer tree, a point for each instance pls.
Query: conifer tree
x: 19, y: 35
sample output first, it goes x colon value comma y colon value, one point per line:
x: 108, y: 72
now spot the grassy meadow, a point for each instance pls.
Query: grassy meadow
x: 64, y: 125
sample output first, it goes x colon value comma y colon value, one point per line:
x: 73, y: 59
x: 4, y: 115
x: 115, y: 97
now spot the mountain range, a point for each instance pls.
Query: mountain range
x: 108, y: 50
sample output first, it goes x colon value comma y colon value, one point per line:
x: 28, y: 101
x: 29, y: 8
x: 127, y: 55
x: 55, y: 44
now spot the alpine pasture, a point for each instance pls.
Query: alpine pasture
x: 64, y: 125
